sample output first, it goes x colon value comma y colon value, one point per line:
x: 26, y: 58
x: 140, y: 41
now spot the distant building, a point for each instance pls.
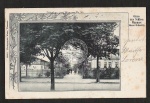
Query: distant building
x: 35, y: 68
x: 38, y: 64
x: 113, y: 62
x: 40, y: 68
x: 104, y: 63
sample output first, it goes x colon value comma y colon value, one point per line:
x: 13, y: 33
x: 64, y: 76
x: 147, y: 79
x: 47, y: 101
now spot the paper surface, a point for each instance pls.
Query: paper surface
x: 132, y: 49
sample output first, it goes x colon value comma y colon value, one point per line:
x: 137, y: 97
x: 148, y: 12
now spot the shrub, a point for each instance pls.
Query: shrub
x: 47, y: 74
x: 39, y: 75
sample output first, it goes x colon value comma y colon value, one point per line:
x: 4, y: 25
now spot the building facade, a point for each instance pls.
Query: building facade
x: 36, y: 69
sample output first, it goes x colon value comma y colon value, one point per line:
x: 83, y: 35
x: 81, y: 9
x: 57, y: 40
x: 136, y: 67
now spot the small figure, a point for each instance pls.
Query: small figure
x: 72, y: 72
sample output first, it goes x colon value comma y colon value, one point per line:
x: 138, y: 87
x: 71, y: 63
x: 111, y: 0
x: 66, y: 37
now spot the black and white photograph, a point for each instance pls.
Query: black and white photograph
x: 69, y: 56
x: 75, y: 53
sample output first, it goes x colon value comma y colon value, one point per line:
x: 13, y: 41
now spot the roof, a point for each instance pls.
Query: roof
x: 43, y: 58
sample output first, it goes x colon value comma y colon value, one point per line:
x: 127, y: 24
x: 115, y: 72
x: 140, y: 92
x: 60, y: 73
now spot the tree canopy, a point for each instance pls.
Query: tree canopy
x: 50, y: 37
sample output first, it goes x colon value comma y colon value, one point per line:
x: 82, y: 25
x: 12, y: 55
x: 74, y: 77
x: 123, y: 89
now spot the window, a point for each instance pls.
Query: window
x: 99, y: 64
x: 116, y: 65
x: 109, y: 64
x: 105, y: 64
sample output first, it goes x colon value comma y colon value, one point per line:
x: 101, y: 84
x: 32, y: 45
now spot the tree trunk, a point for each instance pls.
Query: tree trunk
x: 97, y: 77
x: 82, y: 70
x: 26, y: 70
x: 52, y: 75
x: 20, y: 74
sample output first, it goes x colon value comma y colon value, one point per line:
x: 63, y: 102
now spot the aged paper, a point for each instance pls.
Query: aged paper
x: 75, y: 53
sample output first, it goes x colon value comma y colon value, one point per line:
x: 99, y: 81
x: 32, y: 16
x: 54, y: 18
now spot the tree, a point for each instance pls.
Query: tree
x: 44, y: 39
x: 27, y: 60
x: 27, y: 55
x: 103, y: 42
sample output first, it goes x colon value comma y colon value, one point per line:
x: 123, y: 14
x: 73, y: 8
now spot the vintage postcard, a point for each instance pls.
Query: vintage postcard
x: 75, y: 53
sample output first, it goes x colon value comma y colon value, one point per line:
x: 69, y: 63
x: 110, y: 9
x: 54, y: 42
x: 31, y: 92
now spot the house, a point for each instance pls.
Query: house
x: 112, y: 62
x: 39, y: 66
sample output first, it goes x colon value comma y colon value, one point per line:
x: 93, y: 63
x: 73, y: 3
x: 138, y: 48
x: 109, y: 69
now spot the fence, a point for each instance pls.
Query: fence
x: 43, y: 73
x: 104, y: 74
x: 35, y: 73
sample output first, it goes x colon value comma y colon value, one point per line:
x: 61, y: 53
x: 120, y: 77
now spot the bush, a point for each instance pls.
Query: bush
x: 64, y: 72
x: 107, y: 74
x: 88, y: 74
x: 58, y: 74
x: 39, y: 75
x: 47, y: 74
x: 104, y: 74
x: 115, y: 74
